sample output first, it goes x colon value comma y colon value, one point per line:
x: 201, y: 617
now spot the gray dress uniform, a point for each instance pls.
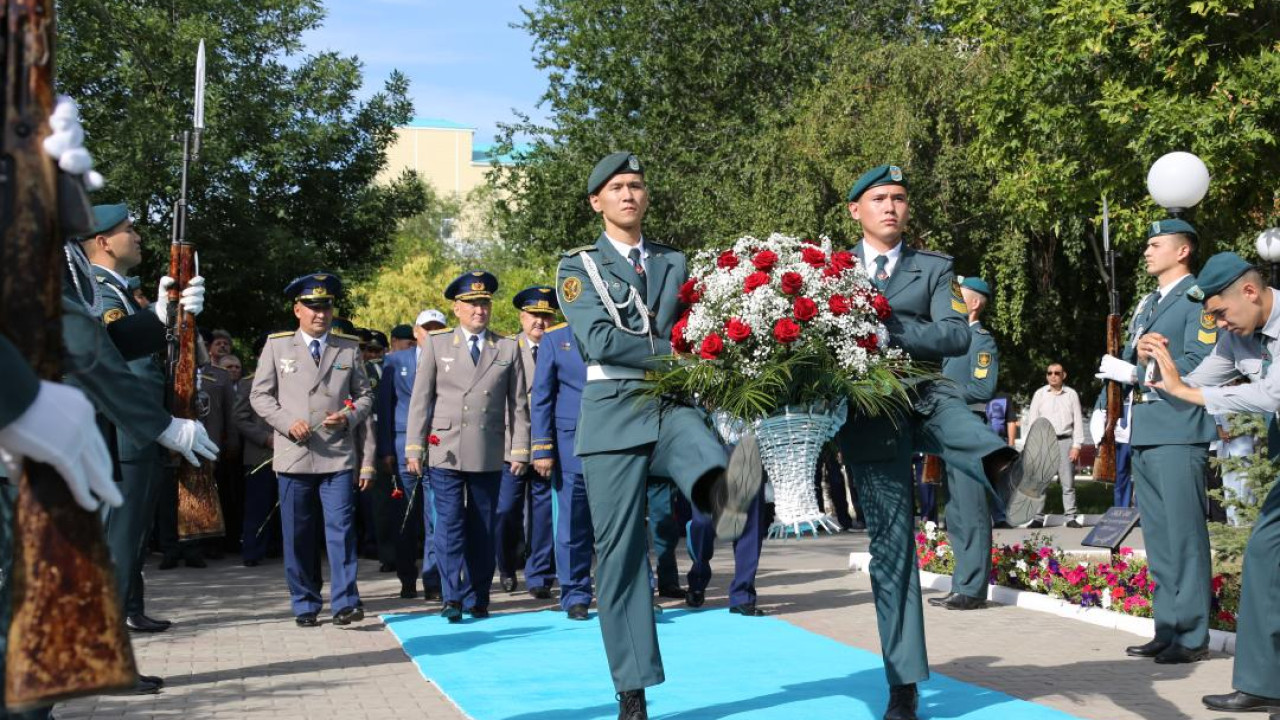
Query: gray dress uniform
x: 468, y: 406
x: 259, y: 488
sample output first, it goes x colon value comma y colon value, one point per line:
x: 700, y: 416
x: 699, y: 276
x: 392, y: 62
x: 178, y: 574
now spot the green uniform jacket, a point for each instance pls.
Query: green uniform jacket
x: 975, y: 373
x: 21, y: 384
x: 1192, y: 335
x: 930, y: 320
x: 613, y: 416
x: 118, y: 305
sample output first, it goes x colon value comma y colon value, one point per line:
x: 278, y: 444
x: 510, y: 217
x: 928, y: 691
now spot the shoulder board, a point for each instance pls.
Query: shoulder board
x: 575, y: 251
x: 499, y: 336
x: 934, y: 253
x: 557, y: 326
x: 983, y: 331
x: 343, y: 335
x: 100, y: 278
x: 441, y: 331
x: 287, y: 333
x: 246, y: 377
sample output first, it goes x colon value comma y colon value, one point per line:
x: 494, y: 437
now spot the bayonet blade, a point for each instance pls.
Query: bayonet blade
x: 1106, y: 226
x: 199, y: 111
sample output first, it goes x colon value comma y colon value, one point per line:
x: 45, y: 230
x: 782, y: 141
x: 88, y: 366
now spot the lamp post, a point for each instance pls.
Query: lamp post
x: 1178, y: 181
x: 1269, y: 250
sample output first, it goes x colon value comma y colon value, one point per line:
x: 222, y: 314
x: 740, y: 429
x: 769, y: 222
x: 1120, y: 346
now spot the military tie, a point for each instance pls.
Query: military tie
x: 535, y: 354
x: 881, y: 278
x: 1266, y: 354
x: 475, y: 349
x: 634, y: 257
x: 315, y: 351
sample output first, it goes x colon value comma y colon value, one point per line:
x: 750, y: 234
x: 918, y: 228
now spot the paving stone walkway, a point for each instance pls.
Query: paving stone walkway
x: 234, y: 650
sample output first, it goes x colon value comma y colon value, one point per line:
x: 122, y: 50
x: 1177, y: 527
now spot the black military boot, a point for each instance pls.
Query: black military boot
x: 903, y: 700
x: 631, y: 705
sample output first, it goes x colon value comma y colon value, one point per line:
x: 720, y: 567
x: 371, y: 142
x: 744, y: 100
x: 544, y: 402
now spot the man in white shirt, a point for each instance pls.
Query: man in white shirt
x: 1060, y: 405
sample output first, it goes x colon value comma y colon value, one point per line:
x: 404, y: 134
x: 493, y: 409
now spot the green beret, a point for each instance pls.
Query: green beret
x: 881, y: 175
x: 402, y: 332
x: 1221, y: 270
x: 106, y: 217
x: 618, y: 162
x: 1171, y: 226
x: 977, y: 285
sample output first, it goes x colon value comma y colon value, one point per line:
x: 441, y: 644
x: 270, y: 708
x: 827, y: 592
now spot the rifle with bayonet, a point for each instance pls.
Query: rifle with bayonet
x: 199, y: 508
x: 1104, y: 465
x: 67, y: 636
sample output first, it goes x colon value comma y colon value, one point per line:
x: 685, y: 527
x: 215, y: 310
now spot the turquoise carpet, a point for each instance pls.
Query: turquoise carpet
x: 542, y: 666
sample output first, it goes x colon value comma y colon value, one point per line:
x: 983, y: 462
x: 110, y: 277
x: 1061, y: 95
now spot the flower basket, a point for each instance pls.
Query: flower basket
x: 790, y: 443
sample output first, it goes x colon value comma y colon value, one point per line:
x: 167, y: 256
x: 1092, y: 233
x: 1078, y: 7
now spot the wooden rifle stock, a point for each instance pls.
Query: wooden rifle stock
x: 1104, y: 465
x: 199, y: 507
x: 67, y: 636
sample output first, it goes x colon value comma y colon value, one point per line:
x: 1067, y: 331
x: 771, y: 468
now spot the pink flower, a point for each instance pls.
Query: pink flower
x: 1126, y: 551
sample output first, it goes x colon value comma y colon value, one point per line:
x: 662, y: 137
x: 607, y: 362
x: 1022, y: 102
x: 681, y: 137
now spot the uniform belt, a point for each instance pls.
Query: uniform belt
x: 616, y: 372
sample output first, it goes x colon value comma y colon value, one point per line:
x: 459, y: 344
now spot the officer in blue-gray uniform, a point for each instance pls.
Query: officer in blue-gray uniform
x: 1169, y: 445
x: 304, y: 379
x: 929, y: 322
x: 1237, y: 300
x: 620, y: 297
x: 554, y: 403
x: 537, y: 306
x: 974, y: 376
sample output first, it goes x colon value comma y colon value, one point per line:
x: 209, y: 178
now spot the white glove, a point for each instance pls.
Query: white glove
x: 191, y: 298
x: 1113, y: 368
x: 65, y: 144
x: 188, y: 438
x: 59, y: 429
x: 1098, y: 424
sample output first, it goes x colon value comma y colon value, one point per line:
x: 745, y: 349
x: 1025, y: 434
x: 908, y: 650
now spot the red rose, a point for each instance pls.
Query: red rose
x: 843, y: 260
x: 765, y: 260
x: 881, y: 305
x: 868, y: 342
x: 805, y: 309
x: 689, y: 293
x: 396, y: 492
x: 809, y: 241
x: 755, y: 280
x: 791, y: 283
x: 727, y: 260
x: 813, y: 256
x: 786, y: 331
x: 678, y: 341
x: 832, y: 271
x: 737, y: 330
x: 711, y: 348
x: 433, y: 440
x: 838, y: 304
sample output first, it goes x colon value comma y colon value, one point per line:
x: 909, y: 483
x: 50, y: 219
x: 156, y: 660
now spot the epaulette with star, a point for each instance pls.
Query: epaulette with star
x: 286, y: 333
x: 575, y: 251
x: 441, y: 331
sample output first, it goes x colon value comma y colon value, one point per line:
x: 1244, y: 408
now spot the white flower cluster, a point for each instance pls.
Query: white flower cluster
x: 765, y: 298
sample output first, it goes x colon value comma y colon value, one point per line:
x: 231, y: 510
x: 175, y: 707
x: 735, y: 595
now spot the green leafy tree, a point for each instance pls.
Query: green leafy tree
x: 1258, y: 472
x: 285, y: 181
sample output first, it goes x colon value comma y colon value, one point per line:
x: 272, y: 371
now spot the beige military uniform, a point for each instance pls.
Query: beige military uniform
x: 253, y: 430
x: 525, y: 349
x: 288, y: 386
x: 469, y: 407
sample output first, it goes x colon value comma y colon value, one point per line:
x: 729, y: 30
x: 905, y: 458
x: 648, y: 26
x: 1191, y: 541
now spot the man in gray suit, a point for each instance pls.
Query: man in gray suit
x: 470, y: 384
x: 311, y: 387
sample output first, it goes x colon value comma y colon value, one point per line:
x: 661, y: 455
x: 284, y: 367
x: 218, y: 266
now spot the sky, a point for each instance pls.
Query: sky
x: 463, y: 60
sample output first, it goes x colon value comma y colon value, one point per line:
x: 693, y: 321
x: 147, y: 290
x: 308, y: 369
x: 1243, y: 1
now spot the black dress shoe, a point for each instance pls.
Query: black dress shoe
x: 508, y: 583
x: 452, y: 611
x: 346, y: 616
x: 1175, y: 654
x: 252, y: 563
x: 541, y: 592
x: 142, y: 623
x: 963, y: 602
x: 196, y: 562
x: 631, y: 705
x: 408, y: 591
x: 1075, y: 522
x: 1036, y: 523
x: 1002, y: 525
x: 168, y: 562
x: 1147, y: 650
x: 143, y: 686
x: 675, y: 592
x: 153, y: 679
x: 430, y: 594
x: 1241, y: 702
x: 307, y: 620
x: 940, y: 601
x: 386, y: 567
x: 903, y: 700
x: 576, y: 612
x: 479, y: 613
x: 733, y: 491
x: 746, y: 609
x: 695, y: 598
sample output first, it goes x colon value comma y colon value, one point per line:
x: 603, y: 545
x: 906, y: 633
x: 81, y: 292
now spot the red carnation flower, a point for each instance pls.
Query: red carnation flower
x: 838, y: 304
x: 433, y: 440
x: 689, y: 293
x: 786, y: 331
x: 765, y: 260
x: 396, y: 492
x: 881, y: 305
x: 737, y: 330
x: 843, y: 260
x: 727, y: 260
x: 813, y: 256
x: 791, y: 283
x: 678, y: 341
x: 805, y: 309
x: 755, y: 280
x: 868, y: 342
x: 711, y: 348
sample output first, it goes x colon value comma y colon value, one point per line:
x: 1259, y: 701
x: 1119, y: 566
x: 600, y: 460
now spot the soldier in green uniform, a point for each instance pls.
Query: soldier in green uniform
x: 1237, y: 300
x: 968, y: 510
x: 619, y: 296
x: 929, y: 322
x: 1169, y: 441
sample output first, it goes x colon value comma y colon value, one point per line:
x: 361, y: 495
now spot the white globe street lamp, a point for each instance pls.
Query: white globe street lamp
x: 1269, y: 250
x: 1177, y: 181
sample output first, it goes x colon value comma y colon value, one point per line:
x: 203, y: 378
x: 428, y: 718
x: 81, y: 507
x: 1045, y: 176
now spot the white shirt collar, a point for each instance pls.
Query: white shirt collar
x: 624, y: 249
x: 306, y: 339
x: 893, y: 255
x: 1164, y: 289
x: 467, y: 335
x: 123, y: 283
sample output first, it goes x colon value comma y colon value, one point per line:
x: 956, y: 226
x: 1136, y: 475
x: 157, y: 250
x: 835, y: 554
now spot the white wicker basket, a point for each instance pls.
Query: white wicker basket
x: 790, y: 443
